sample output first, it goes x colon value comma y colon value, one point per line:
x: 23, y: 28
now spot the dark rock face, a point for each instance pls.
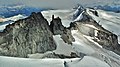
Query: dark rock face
x: 56, y: 26
x: 58, y: 29
x: 67, y: 36
x: 95, y: 12
x: 108, y: 40
x: 62, y: 56
x: 27, y: 36
x: 73, y: 26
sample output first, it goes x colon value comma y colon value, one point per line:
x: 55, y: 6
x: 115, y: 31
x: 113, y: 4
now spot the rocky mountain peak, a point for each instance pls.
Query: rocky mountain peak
x: 58, y: 29
x: 27, y: 36
x: 56, y: 26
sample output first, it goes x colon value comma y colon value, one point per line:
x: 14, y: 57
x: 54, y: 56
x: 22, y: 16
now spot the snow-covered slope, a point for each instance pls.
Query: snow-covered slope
x: 22, y: 62
x: 84, y: 44
x: 62, y: 47
x: 109, y: 20
x: 75, y: 62
x: 79, y: 17
x: 81, y: 45
x: 87, y: 61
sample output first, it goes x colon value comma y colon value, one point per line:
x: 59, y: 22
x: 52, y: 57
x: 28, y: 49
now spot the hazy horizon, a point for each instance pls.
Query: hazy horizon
x: 58, y: 3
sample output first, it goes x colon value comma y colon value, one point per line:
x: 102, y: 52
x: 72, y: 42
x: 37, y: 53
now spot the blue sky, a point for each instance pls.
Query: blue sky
x: 57, y: 3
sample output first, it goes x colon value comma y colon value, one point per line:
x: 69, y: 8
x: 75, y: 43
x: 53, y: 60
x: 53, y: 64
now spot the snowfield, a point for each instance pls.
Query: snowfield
x: 81, y: 44
x: 62, y: 47
x: 88, y: 61
x: 75, y: 62
x: 22, y: 62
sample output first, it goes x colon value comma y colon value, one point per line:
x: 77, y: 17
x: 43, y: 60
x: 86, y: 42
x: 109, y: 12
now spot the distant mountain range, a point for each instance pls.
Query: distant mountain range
x: 109, y: 8
x: 13, y: 10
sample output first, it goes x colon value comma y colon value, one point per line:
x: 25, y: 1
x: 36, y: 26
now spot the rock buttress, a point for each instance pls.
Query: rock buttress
x: 27, y: 36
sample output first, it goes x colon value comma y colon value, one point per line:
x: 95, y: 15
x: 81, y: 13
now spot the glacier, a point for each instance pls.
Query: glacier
x: 12, y: 10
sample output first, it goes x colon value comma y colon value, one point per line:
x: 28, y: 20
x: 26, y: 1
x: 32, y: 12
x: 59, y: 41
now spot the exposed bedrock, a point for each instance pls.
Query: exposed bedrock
x: 27, y: 36
x: 58, y: 29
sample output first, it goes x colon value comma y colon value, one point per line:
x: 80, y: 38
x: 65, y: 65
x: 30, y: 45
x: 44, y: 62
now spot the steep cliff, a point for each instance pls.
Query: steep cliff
x: 58, y: 29
x: 27, y: 36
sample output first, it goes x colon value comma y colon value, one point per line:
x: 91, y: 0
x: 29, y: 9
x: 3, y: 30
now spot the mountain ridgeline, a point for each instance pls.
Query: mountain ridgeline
x: 34, y: 35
